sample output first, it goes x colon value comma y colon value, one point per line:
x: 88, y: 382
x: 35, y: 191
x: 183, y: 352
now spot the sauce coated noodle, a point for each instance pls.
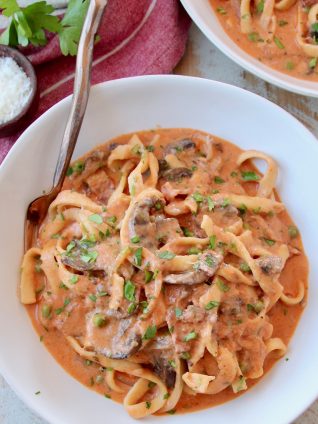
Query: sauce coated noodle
x: 167, y: 274
x: 282, y: 34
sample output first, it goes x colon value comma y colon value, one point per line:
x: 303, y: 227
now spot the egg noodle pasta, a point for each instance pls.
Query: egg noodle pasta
x: 281, y: 34
x: 162, y: 269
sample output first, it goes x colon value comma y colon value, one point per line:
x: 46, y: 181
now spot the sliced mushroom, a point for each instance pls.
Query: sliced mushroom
x: 270, y: 264
x: 180, y: 145
x: 167, y: 229
x: 228, y: 209
x: 81, y: 257
x: 165, y: 371
x: 177, y: 174
x: 209, y: 262
x: 205, y: 268
x: 193, y: 314
x: 140, y: 224
x: 161, y: 343
x: 118, y: 339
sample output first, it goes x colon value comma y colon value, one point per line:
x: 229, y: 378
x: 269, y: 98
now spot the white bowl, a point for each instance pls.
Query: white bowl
x: 130, y: 105
x: 205, y: 17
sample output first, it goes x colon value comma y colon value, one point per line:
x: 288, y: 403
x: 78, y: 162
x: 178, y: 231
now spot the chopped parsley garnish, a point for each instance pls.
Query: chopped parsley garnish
x: 158, y: 206
x: 268, y: 241
x: 150, y: 332
x: 249, y: 176
x: 290, y: 65
x: 242, y: 209
x: 312, y: 63
x: 135, y: 239
x: 211, y: 305
x: 148, y: 276
x: 58, y: 311
x: 278, y: 43
x: 171, y: 412
x: 89, y: 256
x: 222, y: 286
x: 212, y: 241
x: 178, y: 312
x: 38, y: 392
x: 190, y: 336
x: 166, y: 254
x: 185, y: 355
x: 244, y: 267
x: 150, y: 148
x: 46, y: 311
x: 74, y: 279
x: 144, y: 306
x: 210, y: 261
x: 198, y: 197
x: 129, y: 290
x: 107, y: 396
x: 131, y: 308
x: 218, y: 180
x: 166, y: 395
x: 194, y: 168
x: 92, y: 297
x: 172, y: 363
x: 282, y: 23
x: 234, y: 174
x: 151, y: 384
x: 187, y: 232
x: 78, y: 167
x: 260, y: 6
x: 99, y: 320
x: 112, y: 219
x: 148, y: 404
x: 293, y: 231
x: 255, y: 307
x: 254, y: 37
x: 194, y: 251
x: 138, y: 256
x: 210, y: 204
x: 70, y: 246
x: 221, y: 10
x: 225, y: 203
x: 96, y: 218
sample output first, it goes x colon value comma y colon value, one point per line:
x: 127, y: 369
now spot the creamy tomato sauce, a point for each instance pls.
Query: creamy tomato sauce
x: 269, y: 227
x: 281, y: 51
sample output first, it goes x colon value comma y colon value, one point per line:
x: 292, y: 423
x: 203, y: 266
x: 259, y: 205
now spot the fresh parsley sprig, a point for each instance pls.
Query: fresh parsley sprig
x: 28, y: 25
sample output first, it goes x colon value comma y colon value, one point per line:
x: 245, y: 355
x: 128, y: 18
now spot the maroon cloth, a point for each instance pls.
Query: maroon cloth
x: 138, y: 37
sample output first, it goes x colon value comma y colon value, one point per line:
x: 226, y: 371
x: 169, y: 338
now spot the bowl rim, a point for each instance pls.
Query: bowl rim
x: 24, y: 63
x: 23, y: 140
x: 245, y: 60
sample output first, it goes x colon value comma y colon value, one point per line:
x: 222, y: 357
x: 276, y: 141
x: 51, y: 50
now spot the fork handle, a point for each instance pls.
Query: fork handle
x: 81, y: 89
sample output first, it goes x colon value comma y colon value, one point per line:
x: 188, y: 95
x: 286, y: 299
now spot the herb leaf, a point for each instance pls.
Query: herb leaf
x: 138, y: 256
x: 150, y: 332
x: 96, y: 218
x: 129, y: 290
x: 190, y: 336
x: 249, y: 176
x: 166, y: 254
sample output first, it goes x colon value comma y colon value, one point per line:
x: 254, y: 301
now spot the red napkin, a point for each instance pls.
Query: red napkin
x: 138, y: 37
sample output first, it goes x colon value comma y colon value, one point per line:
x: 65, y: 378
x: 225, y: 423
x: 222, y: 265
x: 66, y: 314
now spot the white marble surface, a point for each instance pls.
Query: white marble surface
x: 201, y: 59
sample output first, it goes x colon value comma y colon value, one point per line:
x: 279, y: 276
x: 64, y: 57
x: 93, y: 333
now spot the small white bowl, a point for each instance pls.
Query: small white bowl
x: 130, y: 105
x: 205, y: 18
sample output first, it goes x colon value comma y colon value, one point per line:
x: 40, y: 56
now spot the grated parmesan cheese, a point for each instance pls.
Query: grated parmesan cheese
x: 15, y: 89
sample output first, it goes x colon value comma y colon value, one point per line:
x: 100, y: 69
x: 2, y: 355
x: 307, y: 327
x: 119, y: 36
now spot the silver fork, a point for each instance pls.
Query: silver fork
x: 37, y: 209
